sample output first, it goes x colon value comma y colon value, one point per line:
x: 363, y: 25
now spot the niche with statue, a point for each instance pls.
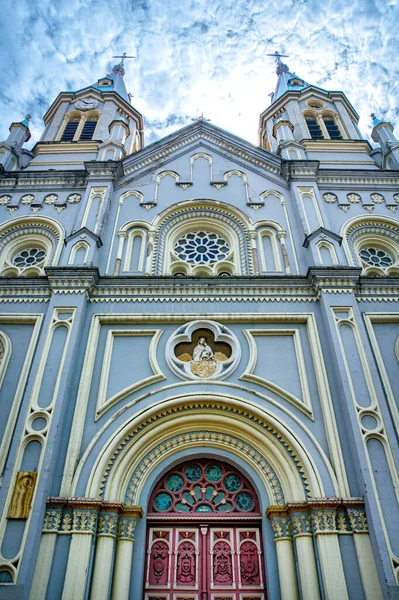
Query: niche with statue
x: 203, y: 350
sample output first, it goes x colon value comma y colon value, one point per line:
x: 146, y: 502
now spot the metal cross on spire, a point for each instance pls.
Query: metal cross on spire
x: 279, y: 64
x: 200, y: 118
x: 124, y: 55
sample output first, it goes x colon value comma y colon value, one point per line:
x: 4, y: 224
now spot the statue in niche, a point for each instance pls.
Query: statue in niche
x: 202, y: 351
x: 203, y: 361
x: 22, y: 495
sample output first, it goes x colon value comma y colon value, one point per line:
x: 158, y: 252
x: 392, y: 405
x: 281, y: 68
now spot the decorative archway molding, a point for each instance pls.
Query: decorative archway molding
x: 242, y: 428
x: 366, y: 226
x: 218, y: 215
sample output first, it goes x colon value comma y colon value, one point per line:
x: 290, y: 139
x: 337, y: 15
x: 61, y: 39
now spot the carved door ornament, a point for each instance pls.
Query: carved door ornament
x: 203, y: 350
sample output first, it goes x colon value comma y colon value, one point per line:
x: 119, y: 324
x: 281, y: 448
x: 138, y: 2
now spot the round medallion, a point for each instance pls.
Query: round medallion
x: 193, y: 473
x: 214, y: 473
x: 175, y: 483
x: 163, y: 502
x: 244, y: 501
x: 232, y: 483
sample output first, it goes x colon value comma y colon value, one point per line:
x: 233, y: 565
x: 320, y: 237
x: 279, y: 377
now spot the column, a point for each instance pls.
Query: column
x: 254, y: 251
x: 281, y: 237
x: 122, y: 236
x: 368, y: 571
x: 150, y: 250
x: 281, y: 524
x: 84, y: 524
x: 106, y: 534
x: 324, y: 528
x: 124, y: 550
x: 44, y: 562
x: 302, y: 534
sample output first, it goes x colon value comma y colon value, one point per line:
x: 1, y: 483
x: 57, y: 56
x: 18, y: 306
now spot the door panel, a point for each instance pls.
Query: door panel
x: 204, y: 563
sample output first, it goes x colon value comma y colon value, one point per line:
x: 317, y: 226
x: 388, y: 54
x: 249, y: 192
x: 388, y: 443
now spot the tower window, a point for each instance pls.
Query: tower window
x: 88, y: 129
x: 314, y: 128
x: 70, y: 130
x: 332, y: 128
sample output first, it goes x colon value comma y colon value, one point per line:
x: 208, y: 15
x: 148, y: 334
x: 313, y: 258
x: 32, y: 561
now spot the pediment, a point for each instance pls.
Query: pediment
x: 201, y: 136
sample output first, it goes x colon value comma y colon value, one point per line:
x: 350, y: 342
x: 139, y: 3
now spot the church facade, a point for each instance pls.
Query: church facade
x: 199, y: 346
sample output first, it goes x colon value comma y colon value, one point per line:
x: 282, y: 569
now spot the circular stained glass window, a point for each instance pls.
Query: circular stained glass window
x: 232, y: 483
x: 202, y: 248
x: 214, y: 472
x: 376, y: 257
x: 193, y: 472
x: 29, y: 257
x: 163, y: 502
x: 244, y: 501
x: 174, y: 483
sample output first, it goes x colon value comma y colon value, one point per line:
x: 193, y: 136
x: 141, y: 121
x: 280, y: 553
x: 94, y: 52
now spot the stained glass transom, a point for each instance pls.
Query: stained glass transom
x: 202, y: 248
x: 204, y: 486
x: 29, y: 257
x: 376, y: 257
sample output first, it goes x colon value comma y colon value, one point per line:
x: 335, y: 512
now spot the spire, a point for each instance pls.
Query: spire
x: 287, y: 81
x: 113, y: 81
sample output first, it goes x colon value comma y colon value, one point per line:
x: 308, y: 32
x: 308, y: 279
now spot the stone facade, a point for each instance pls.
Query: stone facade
x: 199, y: 298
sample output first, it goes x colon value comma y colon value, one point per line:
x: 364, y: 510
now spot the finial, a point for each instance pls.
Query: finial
x: 200, y: 118
x: 120, y: 67
x: 28, y: 117
x: 281, y: 67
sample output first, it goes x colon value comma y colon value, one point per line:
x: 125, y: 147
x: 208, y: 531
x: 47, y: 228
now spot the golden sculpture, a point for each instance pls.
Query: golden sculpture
x: 22, y: 495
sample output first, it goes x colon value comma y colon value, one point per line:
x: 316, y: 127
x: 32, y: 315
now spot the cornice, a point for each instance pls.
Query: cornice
x: 362, y: 178
x: 104, y: 169
x: 299, y: 170
x: 160, y: 289
x: 77, y: 147
x: 322, y: 232
x: 28, y: 179
x: 334, y: 279
x: 341, y: 146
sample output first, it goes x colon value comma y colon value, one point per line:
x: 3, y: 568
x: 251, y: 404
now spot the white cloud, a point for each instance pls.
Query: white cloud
x: 197, y: 55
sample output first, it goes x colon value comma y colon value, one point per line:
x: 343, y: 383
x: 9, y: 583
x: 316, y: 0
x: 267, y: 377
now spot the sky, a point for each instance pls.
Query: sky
x: 195, y: 56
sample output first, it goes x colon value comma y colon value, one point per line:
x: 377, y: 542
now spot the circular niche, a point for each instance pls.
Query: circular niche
x: 203, y: 350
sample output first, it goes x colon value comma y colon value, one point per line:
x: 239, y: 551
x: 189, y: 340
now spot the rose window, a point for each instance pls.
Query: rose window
x: 203, y: 486
x: 376, y: 257
x: 29, y: 257
x: 202, y: 248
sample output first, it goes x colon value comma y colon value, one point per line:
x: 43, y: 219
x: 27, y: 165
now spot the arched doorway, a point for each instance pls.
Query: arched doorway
x: 204, y: 536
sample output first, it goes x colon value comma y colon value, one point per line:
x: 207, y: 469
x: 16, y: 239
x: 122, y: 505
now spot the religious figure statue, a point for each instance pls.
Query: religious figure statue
x: 202, y: 351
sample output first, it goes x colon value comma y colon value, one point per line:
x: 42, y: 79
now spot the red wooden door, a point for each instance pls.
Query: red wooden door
x: 204, y: 563
x: 203, y: 540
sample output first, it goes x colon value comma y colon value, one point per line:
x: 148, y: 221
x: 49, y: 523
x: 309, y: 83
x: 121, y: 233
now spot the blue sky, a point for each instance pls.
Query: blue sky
x: 195, y: 56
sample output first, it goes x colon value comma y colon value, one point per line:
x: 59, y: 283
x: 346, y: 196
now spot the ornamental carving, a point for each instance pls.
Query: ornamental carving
x: 353, y: 198
x: 185, y: 572
x: 4, y: 200
x: 203, y: 350
x: 50, y: 198
x: 249, y: 564
x: 330, y: 198
x: 377, y: 198
x: 159, y: 563
x: 222, y: 564
x: 74, y: 198
x: 27, y: 199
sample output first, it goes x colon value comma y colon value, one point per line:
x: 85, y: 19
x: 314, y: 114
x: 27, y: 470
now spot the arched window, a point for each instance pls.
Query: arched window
x: 135, y: 250
x: 270, y: 260
x: 79, y: 127
x: 70, y: 129
x: 27, y: 245
x: 79, y: 254
x: 201, y: 240
x: 373, y: 244
x: 332, y: 128
x: 314, y: 127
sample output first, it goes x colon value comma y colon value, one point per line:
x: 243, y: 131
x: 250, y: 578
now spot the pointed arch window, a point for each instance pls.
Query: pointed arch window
x: 70, y: 129
x: 314, y: 128
x: 332, y: 128
x: 88, y: 128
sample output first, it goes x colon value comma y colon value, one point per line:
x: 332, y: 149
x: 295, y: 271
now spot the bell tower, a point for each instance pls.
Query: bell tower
x: 306, y: 122
x: 97, y: 122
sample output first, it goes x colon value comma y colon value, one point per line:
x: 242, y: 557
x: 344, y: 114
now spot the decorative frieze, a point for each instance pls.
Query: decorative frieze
x: 321, y: 516
x: 91, y: 516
